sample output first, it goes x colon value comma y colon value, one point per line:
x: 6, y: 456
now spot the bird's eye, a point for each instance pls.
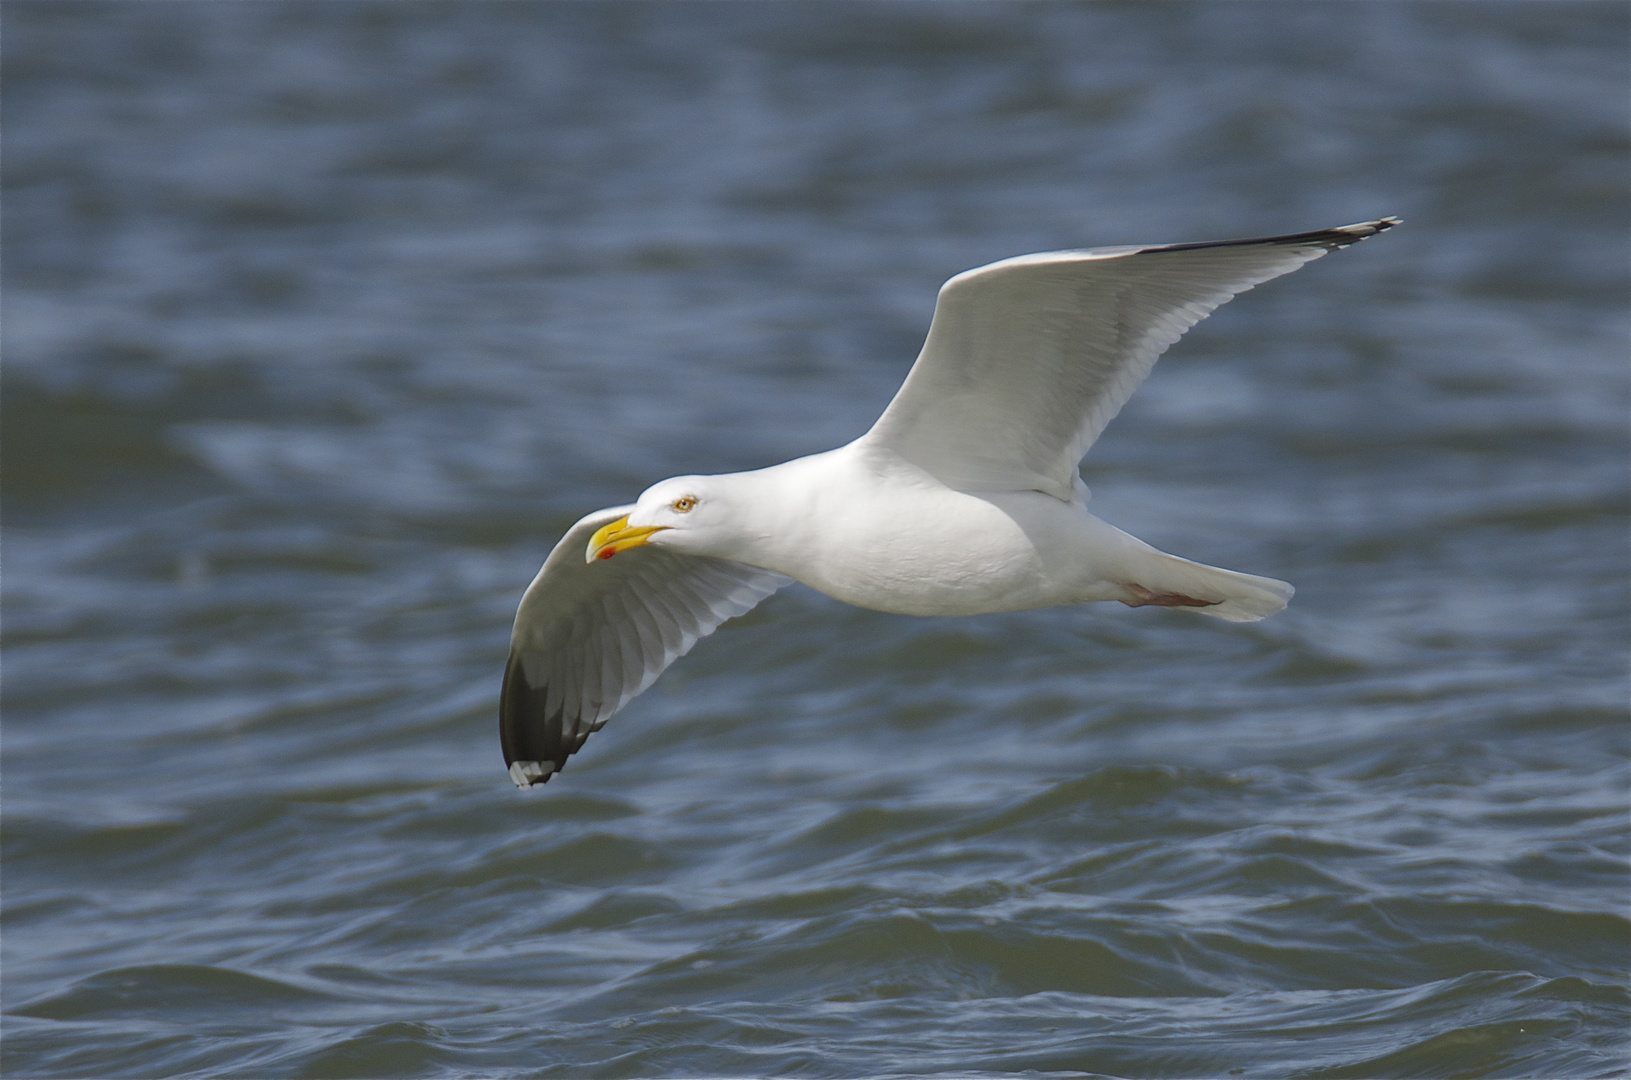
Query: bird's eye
x: 684, y: 504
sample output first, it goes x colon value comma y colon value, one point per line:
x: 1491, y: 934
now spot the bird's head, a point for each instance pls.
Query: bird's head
x: 687, y: 513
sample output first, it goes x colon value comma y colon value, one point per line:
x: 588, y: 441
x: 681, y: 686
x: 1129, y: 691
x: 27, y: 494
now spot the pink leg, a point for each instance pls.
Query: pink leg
x: 1143, y: 597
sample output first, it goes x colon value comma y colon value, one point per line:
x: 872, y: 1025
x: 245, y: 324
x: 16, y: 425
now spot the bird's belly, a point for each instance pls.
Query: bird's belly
x: 908, y: 595
x: 968, y: 563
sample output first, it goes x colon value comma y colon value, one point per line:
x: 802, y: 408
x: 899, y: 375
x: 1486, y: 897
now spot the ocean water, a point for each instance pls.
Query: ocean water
x: 322, y: 320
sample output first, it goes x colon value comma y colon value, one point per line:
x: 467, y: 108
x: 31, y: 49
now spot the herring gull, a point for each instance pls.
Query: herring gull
x: 964, y: 498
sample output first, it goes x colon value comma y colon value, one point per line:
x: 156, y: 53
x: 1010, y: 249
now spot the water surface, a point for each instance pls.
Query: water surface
x: 323, y: 320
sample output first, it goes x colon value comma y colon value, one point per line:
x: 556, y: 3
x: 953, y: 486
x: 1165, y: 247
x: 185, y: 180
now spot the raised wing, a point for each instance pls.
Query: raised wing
x: 1028, y: 358
x: 589, y: 637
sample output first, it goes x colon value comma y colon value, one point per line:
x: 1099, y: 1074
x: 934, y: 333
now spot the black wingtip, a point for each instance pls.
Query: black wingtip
x: 1330, y: 239
x: 535, y: 747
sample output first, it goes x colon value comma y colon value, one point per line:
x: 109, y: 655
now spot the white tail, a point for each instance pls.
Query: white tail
x: 1234, y: 597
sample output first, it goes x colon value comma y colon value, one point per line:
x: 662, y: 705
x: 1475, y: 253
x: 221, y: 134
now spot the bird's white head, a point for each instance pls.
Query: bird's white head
x: 687, y: 513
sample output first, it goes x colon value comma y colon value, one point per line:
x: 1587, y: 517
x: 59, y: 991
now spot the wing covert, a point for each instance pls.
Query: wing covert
x: 1029, y: 358
x: 589, y: 637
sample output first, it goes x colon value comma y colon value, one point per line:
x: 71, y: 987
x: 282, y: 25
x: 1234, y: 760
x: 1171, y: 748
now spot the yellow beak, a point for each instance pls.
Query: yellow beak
x: 618, y: 536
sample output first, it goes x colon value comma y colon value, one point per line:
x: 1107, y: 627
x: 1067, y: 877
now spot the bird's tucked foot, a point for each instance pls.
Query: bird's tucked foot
x: 1143, y: 597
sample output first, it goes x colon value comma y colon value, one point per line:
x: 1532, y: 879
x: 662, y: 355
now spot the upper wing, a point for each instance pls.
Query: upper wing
x: 1028, y: 358
x: 589, y: 637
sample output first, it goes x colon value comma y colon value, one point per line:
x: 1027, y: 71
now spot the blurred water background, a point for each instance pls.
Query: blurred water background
x: 323, y: 320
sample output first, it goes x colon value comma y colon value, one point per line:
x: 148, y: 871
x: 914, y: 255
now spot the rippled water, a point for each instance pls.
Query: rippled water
x: 322, y: 320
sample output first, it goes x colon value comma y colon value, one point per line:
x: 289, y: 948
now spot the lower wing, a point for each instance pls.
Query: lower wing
x: 589, y: 637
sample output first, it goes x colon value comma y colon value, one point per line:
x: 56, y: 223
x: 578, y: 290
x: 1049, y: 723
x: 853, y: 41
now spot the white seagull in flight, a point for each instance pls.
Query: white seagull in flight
x: 964, y: 498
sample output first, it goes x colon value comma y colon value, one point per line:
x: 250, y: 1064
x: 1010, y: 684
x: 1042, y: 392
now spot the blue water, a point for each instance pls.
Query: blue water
x: 323, y: 320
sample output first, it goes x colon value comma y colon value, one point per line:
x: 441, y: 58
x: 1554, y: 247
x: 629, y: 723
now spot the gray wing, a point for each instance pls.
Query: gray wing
x: 1029, y: 358
x: 589, y: 637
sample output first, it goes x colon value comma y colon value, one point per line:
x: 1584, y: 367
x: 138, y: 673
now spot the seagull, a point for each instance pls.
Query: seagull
x: 963, y: 499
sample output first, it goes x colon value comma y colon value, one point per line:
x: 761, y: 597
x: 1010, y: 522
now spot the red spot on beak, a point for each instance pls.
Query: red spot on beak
x: 606, y: 553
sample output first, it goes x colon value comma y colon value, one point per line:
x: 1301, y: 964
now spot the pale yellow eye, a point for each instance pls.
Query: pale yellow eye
x: 684, y: 504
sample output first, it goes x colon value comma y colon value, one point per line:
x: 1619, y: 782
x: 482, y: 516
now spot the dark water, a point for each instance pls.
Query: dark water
x: 322, y: 320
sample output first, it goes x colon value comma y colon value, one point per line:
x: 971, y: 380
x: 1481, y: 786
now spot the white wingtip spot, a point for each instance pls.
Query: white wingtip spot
x: 1369, y: 228
x: 527, y: 773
